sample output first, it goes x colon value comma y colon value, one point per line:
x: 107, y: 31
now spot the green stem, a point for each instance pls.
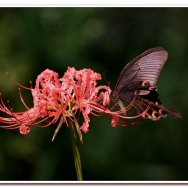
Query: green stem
x: 77, y: 160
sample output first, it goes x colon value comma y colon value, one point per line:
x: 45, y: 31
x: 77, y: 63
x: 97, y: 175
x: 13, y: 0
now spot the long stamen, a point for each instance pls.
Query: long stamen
x: 22, y: 99
x: 17, y: 82
x: 139, y: 115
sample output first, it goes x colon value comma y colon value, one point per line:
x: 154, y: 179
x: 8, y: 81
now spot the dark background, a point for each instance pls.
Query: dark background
x: 103, y: 39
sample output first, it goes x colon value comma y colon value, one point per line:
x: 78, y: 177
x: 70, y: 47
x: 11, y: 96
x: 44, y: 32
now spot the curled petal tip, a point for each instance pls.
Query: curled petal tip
x: 24, y: 129
x: 114, y: 120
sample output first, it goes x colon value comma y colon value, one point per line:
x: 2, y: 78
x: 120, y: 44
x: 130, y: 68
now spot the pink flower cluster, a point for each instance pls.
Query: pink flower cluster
x: 66, y: 98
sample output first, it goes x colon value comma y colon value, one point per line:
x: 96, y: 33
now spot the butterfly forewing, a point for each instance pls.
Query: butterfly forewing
x: 146, y: 66
x: 151, y: 65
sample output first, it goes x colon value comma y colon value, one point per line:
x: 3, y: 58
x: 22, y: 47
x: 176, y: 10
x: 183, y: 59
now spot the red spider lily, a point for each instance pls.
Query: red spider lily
x: 66, y: 98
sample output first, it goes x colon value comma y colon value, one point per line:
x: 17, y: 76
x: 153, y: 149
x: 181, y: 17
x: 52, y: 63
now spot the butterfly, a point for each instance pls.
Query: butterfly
x: 138, y: 81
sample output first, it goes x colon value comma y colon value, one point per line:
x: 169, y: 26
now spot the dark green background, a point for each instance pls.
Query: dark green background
x: 103, y: 39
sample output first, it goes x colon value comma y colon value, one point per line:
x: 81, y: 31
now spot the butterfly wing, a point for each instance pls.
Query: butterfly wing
x: 145, y: 67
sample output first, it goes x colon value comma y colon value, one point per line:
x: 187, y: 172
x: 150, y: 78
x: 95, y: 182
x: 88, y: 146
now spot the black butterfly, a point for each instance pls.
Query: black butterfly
x: 138, y: 79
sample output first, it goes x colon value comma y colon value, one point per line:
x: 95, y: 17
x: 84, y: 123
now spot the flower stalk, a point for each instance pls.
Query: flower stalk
x: 76, y: 154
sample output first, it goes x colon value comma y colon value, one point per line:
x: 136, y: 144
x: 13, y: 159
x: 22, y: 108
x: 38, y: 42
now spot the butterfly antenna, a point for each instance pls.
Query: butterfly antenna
x: 108, y: 82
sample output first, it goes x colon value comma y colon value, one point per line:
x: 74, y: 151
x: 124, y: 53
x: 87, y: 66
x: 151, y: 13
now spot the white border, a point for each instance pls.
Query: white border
x: 93, y: 182
x: 97, y: 3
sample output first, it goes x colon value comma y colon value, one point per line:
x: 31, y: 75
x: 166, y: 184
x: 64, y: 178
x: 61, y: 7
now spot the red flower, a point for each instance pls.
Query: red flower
x: 75, y: 94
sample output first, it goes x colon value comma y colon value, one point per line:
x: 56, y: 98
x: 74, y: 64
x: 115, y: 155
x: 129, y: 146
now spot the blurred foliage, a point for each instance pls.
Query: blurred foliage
x: 103, y: 39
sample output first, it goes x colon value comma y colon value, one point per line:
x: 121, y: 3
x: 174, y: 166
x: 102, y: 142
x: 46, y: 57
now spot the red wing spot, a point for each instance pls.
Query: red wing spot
x: 145, y: 116
x: 155, y: 115
x: 145, y: 83
x: 152, y: 88
x: 161, y: 111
